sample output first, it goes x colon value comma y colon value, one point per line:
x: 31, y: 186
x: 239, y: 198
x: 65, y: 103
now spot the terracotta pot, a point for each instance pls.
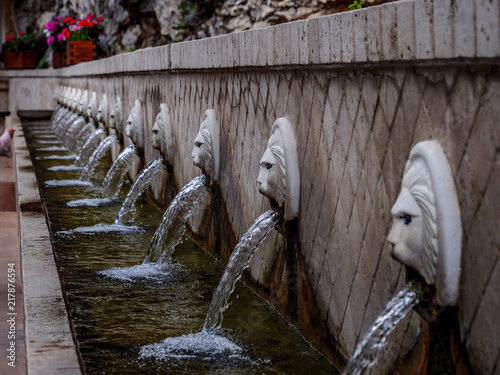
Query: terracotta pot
x: 13, y: 60
x: 78, y: 51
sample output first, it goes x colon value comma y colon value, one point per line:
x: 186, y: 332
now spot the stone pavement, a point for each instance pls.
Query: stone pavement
x: 11, y: 292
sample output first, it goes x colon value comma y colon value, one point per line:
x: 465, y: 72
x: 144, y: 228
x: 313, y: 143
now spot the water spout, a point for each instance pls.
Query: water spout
x: 100, y: 151
x: 173, y: 223
x: 89, y: 147
x: 140, y: 184
x: 375, y: 338
x: 239, y: 261
x: 114, y: 178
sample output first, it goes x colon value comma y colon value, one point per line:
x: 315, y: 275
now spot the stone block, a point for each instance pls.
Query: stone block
x: 324, y: 40
x: 424, y: 29
x: 389, y: 32
x: 360, y: 35
x: 279, y: 56
x: 295, y: 45
x: 347, y: 30
x: 373, y: 34
x: 443, y: 29
x: 487, y: 28
x: 406, y: 30
x: 313, y: 41
x: 286, y: 43
x: 464, y: 30
x: 262, y: 47
x: 303, y: 42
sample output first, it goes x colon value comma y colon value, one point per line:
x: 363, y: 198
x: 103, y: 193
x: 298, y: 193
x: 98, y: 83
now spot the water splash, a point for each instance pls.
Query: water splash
x: 82, y: 136
x: 239, y: 261
x: 54, y: 142
x: 73, y: 131
x: 173, y: 223
x: 95, y: 202
x: 105, y: 229
x: 141, y: 183
x: 89, y: 147
x: 207, y: 346
x: 48, y: 136
x: 114, y: 178
x: 375, y: 338
x: 68, y: 183
x: 145, y: 271
x: 99, y: 152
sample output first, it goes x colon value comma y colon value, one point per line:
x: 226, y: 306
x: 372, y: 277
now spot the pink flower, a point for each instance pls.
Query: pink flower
x: 61, y: 37
x: 51, y: 26
x: 50, y: 40
x: 90, y: 16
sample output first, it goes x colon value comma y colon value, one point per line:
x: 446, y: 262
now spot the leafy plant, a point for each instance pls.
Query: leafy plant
x: 24, y: 41
x: 193, y: 13
x: 356, y: 5
x: 61, y: 29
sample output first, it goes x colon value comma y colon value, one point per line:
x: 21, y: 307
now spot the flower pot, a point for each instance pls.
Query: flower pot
x: 13, y: 60
x: 78, y: 51
x: 20, y: 60
x: 31, y: 59
x: 57, y: 59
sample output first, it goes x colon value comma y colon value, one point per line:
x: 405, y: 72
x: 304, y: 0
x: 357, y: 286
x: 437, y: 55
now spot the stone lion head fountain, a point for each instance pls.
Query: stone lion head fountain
x: 162, y: 133
x: 92, y: 107
x: 83, y: 103
x: 102, y: 112
x: 134, y: 129
x: 206, y: 146
x: 116, y: 117
x: 426, y: 233
x: 279, y: 177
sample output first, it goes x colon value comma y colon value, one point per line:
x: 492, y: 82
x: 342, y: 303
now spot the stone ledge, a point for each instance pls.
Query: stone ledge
x: 50, y: 345
x: 399, y: 32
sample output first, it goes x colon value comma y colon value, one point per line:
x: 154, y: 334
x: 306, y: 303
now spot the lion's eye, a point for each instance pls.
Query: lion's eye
x: 407, y: 218
x: 198, y: 144
x: 268, y: 166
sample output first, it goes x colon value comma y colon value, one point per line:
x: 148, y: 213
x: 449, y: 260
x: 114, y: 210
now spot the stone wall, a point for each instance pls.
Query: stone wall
x: 360, y: 89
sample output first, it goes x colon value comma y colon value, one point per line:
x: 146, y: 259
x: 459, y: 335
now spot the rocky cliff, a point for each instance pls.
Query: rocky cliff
x: 132, y: 24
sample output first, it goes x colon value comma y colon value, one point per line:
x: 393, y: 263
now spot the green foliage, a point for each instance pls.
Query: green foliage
x: 43, y: 64
x: 195, y: 12
x: 356, y: 5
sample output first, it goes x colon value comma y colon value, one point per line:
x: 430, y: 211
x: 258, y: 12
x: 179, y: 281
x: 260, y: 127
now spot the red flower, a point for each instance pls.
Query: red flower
x: 91, y: 24
x: 67, y: 19
x: 100, y: 19
x: 72, y: 22
x: 67, y: 34
x: 21, y: 32
x: 83, y: 23
x: 64, y: 30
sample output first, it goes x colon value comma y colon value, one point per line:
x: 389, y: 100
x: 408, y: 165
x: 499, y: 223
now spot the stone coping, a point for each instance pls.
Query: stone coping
x: 397, y: 32
x: 50, y: 344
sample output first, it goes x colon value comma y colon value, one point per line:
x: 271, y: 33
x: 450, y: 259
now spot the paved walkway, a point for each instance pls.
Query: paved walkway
x: 11, y: 302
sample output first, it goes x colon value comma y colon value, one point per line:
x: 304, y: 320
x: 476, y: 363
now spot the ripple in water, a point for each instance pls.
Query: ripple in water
x: 54, y: 148
x: 68, y: 183
x: 62, y: 168
x: 90, y: 202
x: 204, y: 345
x: 146, y: 271
x: 56, y: 157
x: 104, y: 228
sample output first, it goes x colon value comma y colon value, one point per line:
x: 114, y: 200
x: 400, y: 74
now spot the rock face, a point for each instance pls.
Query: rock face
x: 132, y: 24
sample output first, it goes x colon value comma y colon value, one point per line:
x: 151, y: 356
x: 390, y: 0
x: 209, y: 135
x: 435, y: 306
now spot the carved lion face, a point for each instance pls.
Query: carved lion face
x: 158, y: 139
x: 201, y: 154
x: 271, y: 179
